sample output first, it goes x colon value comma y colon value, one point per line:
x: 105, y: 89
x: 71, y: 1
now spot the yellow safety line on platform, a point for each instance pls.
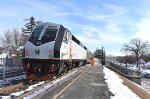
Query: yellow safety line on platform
x: 67, y: 86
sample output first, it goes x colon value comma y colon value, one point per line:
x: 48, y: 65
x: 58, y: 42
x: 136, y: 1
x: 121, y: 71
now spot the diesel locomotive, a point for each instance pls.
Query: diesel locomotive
x: 52, y: 50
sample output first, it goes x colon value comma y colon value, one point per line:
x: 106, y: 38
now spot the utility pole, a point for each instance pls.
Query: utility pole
x: 103, y: 56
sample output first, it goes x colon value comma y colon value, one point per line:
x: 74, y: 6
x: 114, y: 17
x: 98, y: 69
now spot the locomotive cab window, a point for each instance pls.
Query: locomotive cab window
x: 65, y: 36
x: 69, y: 35
x: 49, y: 35
x: 35, y: 35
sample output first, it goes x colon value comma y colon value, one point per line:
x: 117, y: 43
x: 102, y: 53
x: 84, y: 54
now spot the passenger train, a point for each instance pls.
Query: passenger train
x: 52, y: 50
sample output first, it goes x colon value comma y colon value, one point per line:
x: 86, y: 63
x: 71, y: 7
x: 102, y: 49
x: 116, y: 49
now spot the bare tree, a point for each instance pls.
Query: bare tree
x: 11, y: 40
x: 137, y: 48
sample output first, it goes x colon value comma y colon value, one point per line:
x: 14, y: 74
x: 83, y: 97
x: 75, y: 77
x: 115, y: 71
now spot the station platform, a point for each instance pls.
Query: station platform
x: 90, y: 84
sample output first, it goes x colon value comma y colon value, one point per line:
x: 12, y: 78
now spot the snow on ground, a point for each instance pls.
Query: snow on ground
x: 5, y: 97
x: 143, y: 71
x: 134, y: 67
x: 147, y: 64
x: 18, y: 93
x: 115, y: 85
x: 3, y: 55
x: 146, y: 71
x: 33, y: 86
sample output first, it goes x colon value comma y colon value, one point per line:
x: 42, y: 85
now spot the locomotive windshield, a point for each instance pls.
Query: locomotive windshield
x: 49, y: 35
x: 35, y: 35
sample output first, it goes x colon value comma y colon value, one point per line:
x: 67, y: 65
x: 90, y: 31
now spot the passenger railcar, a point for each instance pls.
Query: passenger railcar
x: 51, y: 50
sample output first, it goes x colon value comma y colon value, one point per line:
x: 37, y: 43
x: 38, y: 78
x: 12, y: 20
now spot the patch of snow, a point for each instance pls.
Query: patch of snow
x: 134, y: 67
x: 5, y: 97
x: 146, y: 71
x: 3, y: 55
x: 18, y: 93
x: 119, y: 90
x: 38, y: 92
x: 147, y: 64
x: 33, y: 86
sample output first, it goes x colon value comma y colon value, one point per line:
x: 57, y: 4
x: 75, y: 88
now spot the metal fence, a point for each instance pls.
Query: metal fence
x: 9, y: 68
x: 135, y: 76
x: 10, y: 62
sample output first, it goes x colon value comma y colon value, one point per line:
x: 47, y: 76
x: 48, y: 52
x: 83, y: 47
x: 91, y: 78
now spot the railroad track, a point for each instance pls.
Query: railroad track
x: 49, y: 84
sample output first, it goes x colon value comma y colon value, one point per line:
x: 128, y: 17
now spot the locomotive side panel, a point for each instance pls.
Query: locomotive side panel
x: 78, y: 52
x: 71, y: 49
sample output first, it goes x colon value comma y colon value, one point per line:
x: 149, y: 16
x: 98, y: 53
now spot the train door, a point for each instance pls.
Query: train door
x: 67, y: 44
x: 64, y: 53
x: 70, y: 49
x: 67, y: 41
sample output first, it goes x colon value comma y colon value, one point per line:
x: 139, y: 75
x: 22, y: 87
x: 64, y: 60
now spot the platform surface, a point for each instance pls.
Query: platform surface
x: 90, y: 85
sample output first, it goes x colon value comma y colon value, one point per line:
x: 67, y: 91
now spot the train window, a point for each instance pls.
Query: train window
x: 69, y: 35
x: 76, y: 40
x: 49, y: 35
x: 35, y: 34
x: 81, y: 45
x: 66, y: 36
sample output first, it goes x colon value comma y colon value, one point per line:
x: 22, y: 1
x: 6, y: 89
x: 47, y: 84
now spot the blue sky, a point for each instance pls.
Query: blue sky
x: 110, y: 23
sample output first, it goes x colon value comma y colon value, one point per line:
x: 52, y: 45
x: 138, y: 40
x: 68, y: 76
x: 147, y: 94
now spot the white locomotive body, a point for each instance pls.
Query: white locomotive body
x: 51, y: 50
